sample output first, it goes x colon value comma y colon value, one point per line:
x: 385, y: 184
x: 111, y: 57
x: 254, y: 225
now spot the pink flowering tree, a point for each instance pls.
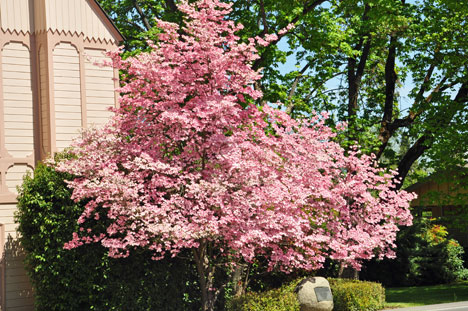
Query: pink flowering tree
x: 189, y: 162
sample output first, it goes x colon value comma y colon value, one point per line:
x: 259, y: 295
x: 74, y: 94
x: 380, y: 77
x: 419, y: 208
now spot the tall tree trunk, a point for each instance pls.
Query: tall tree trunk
x: 390, y: 81
x: 356, y: 72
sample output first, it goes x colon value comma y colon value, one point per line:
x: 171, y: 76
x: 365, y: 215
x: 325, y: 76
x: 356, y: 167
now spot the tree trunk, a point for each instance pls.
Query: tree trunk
x: 347, y: 272
x: 206, y: 271
x: 240, y: 279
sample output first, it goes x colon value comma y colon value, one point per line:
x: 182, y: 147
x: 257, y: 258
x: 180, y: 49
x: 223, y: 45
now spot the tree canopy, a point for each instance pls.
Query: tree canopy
x: 395, y: 70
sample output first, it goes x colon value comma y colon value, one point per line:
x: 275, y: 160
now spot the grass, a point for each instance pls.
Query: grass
x: 402, y: 297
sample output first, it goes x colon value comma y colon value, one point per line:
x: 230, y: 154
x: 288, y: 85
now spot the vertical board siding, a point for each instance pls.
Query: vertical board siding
x: 14, y: 15
x: 99, y: 88
x: 17, y: 100
x: 14, y: 176
x: 67, y: 94
x: 76, y: 16
x: 44, y: 104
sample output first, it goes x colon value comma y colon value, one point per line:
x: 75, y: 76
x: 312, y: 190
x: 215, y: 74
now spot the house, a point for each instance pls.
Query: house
x: 444, y: 196
x: 50, y: 88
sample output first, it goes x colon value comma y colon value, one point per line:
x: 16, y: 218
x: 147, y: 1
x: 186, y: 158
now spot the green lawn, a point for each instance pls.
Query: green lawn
x: 400, y: 297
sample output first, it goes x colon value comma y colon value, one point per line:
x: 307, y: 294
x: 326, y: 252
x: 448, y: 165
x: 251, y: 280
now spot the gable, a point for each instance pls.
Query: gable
x: 75, y: 17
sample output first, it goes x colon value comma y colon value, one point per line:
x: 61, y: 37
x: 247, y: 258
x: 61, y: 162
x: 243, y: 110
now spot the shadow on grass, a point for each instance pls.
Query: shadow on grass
x: 427, y: 295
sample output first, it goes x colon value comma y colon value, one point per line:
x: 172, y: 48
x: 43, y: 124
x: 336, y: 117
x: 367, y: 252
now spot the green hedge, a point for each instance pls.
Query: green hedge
x: 279, y: 299
x: 85, y: 278
x: 348, y: 295
x: 353, y: 295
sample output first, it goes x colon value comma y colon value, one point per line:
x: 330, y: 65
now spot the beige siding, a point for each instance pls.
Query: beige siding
x: 14, y: 176
x: 18, y: 102
x: 18, y: 291
x: 73, y: 16
x: 67, y: 94
x: 7, y: 219
x: 14, y: 15
x: 99, y: 88
x: 76, y: 16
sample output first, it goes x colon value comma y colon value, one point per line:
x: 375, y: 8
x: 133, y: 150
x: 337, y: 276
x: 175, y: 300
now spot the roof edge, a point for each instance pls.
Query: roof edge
x: 120, y: 36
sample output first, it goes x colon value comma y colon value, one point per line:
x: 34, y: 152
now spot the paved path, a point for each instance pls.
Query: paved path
x: 456, y: 306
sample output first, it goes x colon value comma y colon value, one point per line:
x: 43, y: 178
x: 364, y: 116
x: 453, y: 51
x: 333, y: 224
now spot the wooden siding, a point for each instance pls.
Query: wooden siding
x: 67, y: 94
x: 69, y: 16
x: 432, y: 193
x: 14, y: 15
x: 17, y: 100
x: 7, y: 212
x: 18, y: 293
x: 14, y: 176
x: 100, y: 93
x: 76, y: 16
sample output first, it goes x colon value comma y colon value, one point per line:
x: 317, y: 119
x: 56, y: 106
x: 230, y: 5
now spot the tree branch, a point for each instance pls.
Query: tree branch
x: 355, y: 77
x: 172, y: 6
x: 290, y: 108
x: 423, y: 87
x: 388, y: 127
x: 133, y: 24
x: 323, y: 82
x: 266, y: 29
x: 390, y: 80
x: 425, y: 142
x: 413, y: 153
x: 307, y: 9
x: 142, y: 15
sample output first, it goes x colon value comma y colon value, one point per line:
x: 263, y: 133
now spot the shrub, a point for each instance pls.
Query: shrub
x: 348, y: 295
x: 424, y: 256
x: 278, y: 299
x: 354, y: 295
x: 86, y: 278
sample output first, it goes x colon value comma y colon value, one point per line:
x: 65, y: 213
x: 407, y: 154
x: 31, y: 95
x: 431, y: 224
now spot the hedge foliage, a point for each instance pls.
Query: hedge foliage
x: 278, y: 299
x: 348, y: 295
x: 85, y: 278
x: 354, y: 295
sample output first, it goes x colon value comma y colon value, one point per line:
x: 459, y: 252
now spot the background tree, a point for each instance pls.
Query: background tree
x: 391, y: 69
x: 188, y: 162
